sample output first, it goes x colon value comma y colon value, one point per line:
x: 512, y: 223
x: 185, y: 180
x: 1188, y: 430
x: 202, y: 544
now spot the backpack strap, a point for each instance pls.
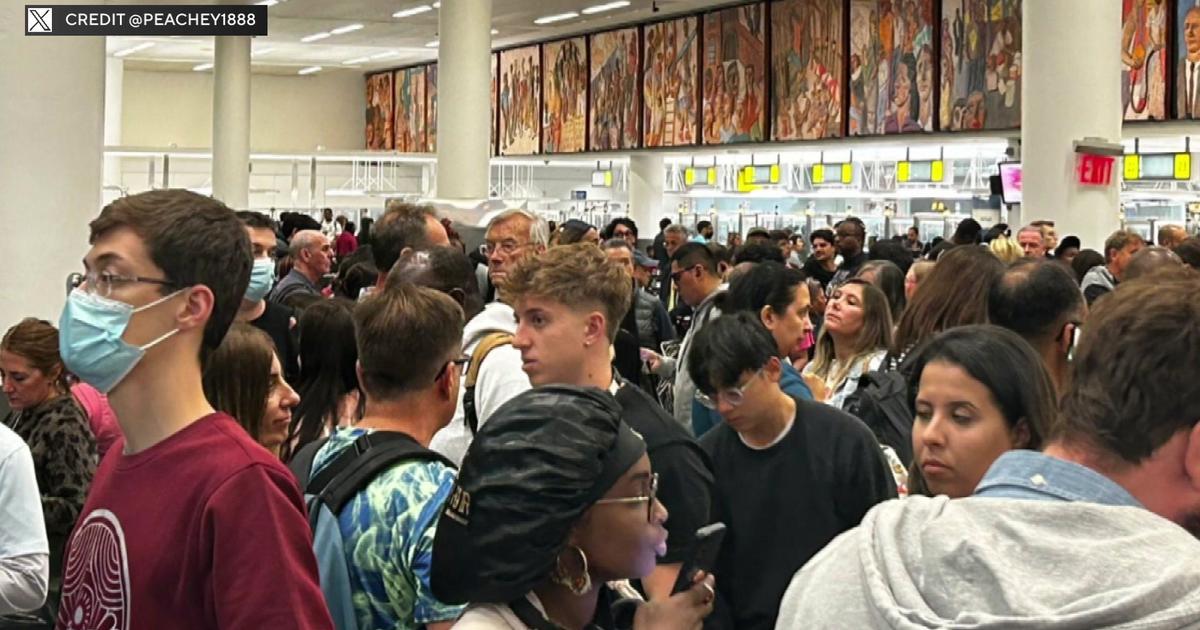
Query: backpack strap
x: 302, y: 461
x: 491, y: 341
x: 359, y: 464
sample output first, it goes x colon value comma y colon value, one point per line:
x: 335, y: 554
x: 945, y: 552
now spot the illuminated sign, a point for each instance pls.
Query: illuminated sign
x: 761, y: 174
x: 927, y: 172
x: 1094, y: 170
x: 821, y: 174
x: 706, y: 176
x: 602, y: 179
x: 1157, y: 167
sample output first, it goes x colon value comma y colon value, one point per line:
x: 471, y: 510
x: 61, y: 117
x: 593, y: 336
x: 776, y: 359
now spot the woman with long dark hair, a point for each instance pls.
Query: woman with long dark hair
x: 328, y: 386
x: 978, y: 391
x: 243, y: 378
x: 955, y: 293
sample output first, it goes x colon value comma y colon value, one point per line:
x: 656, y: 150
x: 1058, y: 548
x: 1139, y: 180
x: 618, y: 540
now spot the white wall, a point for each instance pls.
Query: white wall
x: 287, y: 113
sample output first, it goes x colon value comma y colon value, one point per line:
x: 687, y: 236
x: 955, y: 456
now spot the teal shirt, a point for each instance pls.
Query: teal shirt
x: 388, y: 532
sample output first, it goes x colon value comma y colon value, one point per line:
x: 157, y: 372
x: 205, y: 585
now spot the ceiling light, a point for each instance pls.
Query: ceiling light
x: 356, y: 60
x: 310, y: 70
x: 267, y: 3
x: 261, y: 51
x: 202, y: 67
x: 314, y: 37
x: 437, y: 5
x: 349, y: 28
x: 384, y: 55
x: 600, y: 8
x: 432, y: 44
x: 403, y: 13
x: 495, y: 32
x: 550, y: 19
x: 130, y: 51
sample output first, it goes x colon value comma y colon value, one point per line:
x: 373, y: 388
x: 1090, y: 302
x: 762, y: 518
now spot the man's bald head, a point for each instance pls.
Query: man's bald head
x: 1151, y: 260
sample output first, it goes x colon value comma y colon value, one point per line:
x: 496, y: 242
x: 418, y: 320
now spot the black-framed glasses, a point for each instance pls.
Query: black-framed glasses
x: 102, y: 282
x: 676, y: 274
x: 735, y: 396
x: 649, y: 498
x: 460, y: 363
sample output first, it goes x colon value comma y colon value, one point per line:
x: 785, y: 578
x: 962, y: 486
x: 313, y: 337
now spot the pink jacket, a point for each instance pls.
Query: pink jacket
x: 100, y: 415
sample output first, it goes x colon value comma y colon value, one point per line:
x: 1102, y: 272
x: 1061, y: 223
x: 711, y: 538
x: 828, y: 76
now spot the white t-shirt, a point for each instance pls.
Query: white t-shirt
x: 24, y: 551
x: 494, y: 616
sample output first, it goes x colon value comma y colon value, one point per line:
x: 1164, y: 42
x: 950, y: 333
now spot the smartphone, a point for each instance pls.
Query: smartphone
x: 702, y: 556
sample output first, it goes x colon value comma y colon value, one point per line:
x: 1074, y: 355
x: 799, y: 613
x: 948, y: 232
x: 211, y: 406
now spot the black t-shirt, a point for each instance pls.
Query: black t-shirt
x: 685, y: 478
x: 277, y: 321
x: 812, y: 269
x: 784, y: 503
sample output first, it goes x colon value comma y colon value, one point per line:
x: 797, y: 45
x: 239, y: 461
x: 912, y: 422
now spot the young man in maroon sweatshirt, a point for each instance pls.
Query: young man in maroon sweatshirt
x: 189, y: 523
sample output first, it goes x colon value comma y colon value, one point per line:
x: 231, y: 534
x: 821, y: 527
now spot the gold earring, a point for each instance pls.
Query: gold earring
x: 578, y: 585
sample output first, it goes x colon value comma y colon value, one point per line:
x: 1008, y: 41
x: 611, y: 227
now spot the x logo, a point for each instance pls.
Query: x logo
x: 38, y: 20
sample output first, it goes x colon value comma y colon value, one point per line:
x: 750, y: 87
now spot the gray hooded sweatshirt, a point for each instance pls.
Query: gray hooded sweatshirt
x: 987, y: 563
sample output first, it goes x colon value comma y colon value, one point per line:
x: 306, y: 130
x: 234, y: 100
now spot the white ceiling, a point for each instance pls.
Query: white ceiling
x: 282, y: 52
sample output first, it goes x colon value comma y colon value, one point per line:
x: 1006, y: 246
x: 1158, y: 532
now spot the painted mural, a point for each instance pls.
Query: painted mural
x: 1144, y: 59
x: 891, y: 66
x: 520, y: 98
x: 671, y: 83
x: 410, y: 110
x: 806, y: 58
x: 564, y: 87
x: 615, y: 104
x: 980, y: 65
x: 734, y: 80
x: 431, y: 108
x: 379, y: 112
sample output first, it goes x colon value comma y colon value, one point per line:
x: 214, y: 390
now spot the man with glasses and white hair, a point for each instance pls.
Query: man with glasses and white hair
x: 494, y: 374
x: 791, y: 475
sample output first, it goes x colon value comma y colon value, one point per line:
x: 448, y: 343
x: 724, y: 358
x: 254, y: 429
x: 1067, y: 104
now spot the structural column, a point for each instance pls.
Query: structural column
x: 231, y: 121
x: 464, y: 99
x: 1071, y: 90
x: 51, y: 134
x: 646, y: 193
x: 114, y: 82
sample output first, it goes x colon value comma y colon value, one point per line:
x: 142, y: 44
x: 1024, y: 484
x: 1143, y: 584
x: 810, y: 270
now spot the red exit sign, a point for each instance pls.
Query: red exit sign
x: 1094, y: 170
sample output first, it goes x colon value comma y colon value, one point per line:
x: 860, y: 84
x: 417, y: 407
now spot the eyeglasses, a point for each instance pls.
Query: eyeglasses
x: 460, y: 363
x: 735, y: 396
x: 676, y: 274
x: 505, y: 247
x: 648, y: 498
x: 102, y: 283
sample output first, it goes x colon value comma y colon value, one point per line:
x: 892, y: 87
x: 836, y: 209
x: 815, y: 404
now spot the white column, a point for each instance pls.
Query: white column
x: 1071, y: 90
x: 646, y: 192
x: 231, y: 121
x: 51, y: 133
x: 464, y: 99
x: 114, y: 82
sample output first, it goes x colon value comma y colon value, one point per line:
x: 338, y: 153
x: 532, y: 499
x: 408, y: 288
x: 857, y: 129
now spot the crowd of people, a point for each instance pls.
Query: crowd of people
x: 400, y: 434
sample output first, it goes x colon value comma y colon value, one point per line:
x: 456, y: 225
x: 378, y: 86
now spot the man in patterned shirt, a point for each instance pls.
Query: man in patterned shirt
x: 409, y: 344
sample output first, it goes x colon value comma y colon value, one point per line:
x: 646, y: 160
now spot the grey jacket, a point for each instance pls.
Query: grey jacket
x: 1096, y: 282
x: 988, y: 563
x: 653, y: 323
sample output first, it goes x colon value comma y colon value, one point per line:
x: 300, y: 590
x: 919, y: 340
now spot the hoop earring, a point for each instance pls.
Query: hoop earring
x: 578, y: 585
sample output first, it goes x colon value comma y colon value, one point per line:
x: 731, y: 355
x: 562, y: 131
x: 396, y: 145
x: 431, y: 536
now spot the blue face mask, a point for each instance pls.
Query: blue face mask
x: 262, y: 277
x: 89, y: 338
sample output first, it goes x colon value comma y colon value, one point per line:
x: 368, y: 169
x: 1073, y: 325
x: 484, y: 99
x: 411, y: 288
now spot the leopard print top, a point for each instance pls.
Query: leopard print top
x: 64, y: 457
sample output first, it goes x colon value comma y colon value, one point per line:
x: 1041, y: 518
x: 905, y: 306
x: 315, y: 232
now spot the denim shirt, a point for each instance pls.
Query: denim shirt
x: 1031, y: 475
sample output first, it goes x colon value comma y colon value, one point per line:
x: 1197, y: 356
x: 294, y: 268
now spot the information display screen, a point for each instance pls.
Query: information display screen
x: 1010, y: 182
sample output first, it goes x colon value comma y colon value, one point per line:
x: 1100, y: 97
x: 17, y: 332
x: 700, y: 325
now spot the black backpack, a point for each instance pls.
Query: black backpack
x: 881, y: 402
